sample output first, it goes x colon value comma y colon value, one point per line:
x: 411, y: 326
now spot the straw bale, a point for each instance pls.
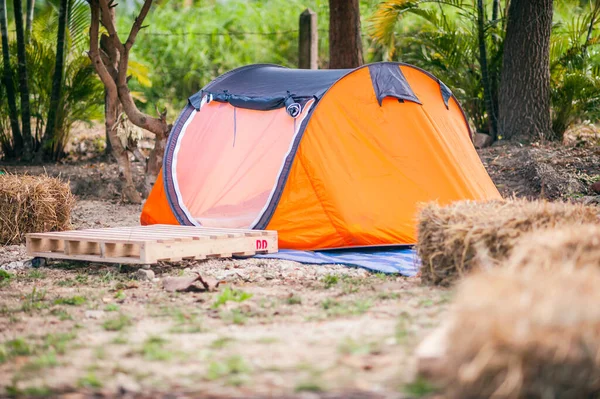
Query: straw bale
x: 31, y: 204
x: 454, y: 239
x: 526, y: 334
x: 573, y: 247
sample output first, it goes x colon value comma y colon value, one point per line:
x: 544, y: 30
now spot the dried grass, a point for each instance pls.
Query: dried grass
x: 526, y: 334
x: 33, y: 204
x: 572, y: 247
x: 454, y: 239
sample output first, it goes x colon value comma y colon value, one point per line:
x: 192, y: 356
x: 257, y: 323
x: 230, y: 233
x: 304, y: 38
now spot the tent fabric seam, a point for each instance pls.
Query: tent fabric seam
x: 290, y: 151
x: 168, y: 161
x: 176, y: 189
x: 283, y: 178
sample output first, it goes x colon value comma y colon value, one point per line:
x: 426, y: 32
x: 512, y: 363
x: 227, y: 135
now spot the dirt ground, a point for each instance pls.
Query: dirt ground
x: 271, y: 329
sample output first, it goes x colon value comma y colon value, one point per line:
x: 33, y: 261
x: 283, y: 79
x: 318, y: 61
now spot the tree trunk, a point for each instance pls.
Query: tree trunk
x: 23, y: 80
x: 308, y: 40
x: 112, y: 60
x: 29, y: 20
x: 485, y: 79
x: 7, y: 77
x: 345, y: 44
x: 57, y: 80
x: 495, y: 11
x: 112, y: 110
x: 495, y: 64
x: 524, y: 98
x: 108, y: 149
x: 155, y: 159
x: 106, y: 66
x: 111, y: 65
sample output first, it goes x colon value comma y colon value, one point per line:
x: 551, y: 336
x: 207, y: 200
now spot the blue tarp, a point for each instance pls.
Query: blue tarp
x: 404, y: 261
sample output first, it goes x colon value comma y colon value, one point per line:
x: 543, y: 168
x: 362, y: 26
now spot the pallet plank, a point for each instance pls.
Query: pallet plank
x: 149, y: 244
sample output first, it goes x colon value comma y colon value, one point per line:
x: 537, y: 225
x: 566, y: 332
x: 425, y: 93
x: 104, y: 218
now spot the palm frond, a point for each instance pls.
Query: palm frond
x: 140, y: 72
x: 79, y: 22
x: 384, y: 20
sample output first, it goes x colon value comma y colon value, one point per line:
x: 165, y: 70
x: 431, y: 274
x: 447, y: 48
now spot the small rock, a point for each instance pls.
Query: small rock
x: 94, y: 314
x: 269, y: 276
x: 144, y: 275
x: 209, y: 283
x: 596, y: 187
x: 146, y: 267
x: 481, y: 140
x: 16, y: 265
x: 155, y: 280
x: 173, y: 284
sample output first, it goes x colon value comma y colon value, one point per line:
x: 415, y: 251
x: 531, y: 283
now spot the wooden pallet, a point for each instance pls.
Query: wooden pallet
x: 150, y: 244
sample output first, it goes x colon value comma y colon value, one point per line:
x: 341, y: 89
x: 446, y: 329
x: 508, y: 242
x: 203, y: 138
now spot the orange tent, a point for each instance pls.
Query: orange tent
x: 328, y: 158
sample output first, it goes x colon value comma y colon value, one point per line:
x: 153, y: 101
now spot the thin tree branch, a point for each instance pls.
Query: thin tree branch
x: 595, y: 11
x: 157, y: 126
x: 138, y: 24
x: 94, y: 53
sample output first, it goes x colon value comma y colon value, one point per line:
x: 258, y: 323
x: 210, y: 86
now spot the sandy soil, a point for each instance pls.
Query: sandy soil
x: 271, y: 329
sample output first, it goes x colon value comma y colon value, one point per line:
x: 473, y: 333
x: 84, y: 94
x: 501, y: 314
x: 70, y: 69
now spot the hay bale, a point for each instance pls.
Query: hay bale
x: 573, y: 247
x: 531, y: 334
x: 31, y: 204
x: 453, y: 239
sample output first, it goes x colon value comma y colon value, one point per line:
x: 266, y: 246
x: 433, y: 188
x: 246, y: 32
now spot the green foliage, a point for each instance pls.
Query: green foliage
x: 61, y: 314
x: 440, y: 36
x: 233, y: 369
x: 58, y: 342
x: 221, y: 342
x: 14, y: 347
x: 29, y: 392
x: 229, y: 294
x: 335, y: 308
x: 5, y: 277
x: 154, y: 350
x: 120, y: 295
x: 294, y: 300
x: 51, y: 345
x: 575, y: 68
x: 36, y: 274
x: 309, y: 386
x: 111, y: 307
x: 350, y: 346
x: 117, y: 323
x: 420, y: 388
x: 43, y: 361
x: 34, y: 300
x: 90, y: 380
x: 330, y: 280
x: 186, y: 323
x: 184, y: 49
x: 72, y: 301
x: 82, y: 94
x: 234, y: 316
